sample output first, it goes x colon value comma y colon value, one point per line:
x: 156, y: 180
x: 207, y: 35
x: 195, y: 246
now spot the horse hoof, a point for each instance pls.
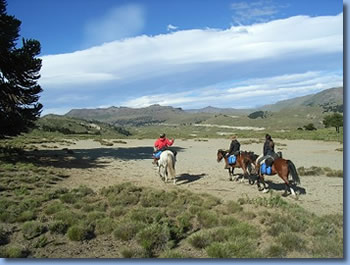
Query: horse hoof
x: 284, y: 194
x: 265, y: 190
x: 251, y: 182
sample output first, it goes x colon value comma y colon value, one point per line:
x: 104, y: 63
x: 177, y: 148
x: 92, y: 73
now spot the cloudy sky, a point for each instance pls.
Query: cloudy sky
x: 189, y: 54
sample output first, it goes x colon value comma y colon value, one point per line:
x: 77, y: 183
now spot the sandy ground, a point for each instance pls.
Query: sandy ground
x: 197, y: 170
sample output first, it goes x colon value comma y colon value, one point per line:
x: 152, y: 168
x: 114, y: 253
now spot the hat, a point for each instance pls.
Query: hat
x: 162, y: 135
x: 233, y: 137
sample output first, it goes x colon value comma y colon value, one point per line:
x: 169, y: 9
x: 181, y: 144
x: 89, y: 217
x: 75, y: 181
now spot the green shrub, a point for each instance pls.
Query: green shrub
x: 15, y: 252
x: 147, y: 215
x: 200, y: 240
x: 58, y: 227
x: 41, y: 242
x: 33, y: 229
x: 68, y: 198
x: 291, y: 241
x: 127, y: 229
x: 68, y: 217
x: 105, y: 226
x: 117, y: 211
x: 26, y: 216
x: 275, y: 251
x: 207, y: 219
x: 133, y: 252
x: 80, y: 232
x: 171, y: 254
x: 233, y: 207
x: 153, y: 238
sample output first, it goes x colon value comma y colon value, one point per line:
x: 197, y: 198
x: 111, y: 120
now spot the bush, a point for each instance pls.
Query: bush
x: 127, y: 229
x: 80, y: 232
x: 275, y: 251
x: 105, y: 226
x: 154, y: 238
x: 207, y: 219
x: 200, y: 240
x: 15, y: 252
x: 33, y: 229
x: 58, y: 227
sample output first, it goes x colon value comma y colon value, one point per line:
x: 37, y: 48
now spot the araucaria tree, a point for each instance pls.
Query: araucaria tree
x: 19, y: 74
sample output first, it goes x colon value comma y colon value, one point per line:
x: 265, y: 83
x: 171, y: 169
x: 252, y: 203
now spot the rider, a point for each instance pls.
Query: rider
x: 162, y: 144
x: 269, y: 149
x: 233, y: 150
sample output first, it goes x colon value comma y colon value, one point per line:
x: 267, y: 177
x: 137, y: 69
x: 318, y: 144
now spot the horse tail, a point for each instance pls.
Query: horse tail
x: 171, y: 165
x: 293, y: 172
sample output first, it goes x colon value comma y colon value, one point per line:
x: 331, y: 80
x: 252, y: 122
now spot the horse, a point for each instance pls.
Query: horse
x: 282, y: 167
x: 166, y: 166
x: 244, y: 160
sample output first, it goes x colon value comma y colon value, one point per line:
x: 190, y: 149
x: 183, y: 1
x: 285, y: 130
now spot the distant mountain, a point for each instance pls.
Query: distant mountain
x: 329, y: 99
x: 215, y: 110
x: 129, y: 116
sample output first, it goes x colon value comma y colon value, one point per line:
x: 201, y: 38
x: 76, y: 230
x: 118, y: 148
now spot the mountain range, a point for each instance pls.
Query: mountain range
x: 324, y: 101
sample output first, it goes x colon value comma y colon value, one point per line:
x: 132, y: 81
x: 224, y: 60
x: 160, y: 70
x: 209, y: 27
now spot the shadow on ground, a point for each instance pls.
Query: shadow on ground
x: 188, y: 178
x: 281, y: 187
x: 82, y: 158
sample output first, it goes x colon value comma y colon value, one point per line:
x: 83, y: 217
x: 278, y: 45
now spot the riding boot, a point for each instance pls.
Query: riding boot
x: 155, y: 162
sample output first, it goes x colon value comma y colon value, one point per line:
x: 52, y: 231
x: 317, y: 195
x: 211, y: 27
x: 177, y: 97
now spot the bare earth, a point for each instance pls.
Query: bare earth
x: 97, y: 166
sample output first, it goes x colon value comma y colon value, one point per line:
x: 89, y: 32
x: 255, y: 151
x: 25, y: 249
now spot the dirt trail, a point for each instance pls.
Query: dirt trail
x: 98, y: 166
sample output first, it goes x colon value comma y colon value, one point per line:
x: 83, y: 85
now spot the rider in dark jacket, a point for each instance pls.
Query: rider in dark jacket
x: 234, y: 149
x: 269, y: 146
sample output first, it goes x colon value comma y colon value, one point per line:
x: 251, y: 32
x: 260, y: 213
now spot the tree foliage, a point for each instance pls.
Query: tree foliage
x: 310, y: 127
x: 333, y: 120
x: 19, y: 73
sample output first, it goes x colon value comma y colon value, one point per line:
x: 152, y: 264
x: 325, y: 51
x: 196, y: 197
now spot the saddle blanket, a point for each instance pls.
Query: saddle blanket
x: 232, y: 159
x: 157, y: 154
x: 265, y: 170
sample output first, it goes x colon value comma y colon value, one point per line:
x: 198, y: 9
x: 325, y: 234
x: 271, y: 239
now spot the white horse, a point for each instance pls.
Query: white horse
x: 166, y: 166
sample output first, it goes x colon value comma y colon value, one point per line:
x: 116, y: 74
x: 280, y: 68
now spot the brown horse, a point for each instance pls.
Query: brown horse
x: 244, y: 160
x: 282, y: 168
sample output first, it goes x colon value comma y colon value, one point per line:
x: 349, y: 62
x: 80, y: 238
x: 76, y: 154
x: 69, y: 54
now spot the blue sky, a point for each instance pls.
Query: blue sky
x: 188, y: 53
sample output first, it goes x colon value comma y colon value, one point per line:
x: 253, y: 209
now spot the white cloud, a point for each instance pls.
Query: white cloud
x: 202, y: 66
x: 171, y: 27
x: 145, y: 57
x: 251, y: 92
x: 117, y: 23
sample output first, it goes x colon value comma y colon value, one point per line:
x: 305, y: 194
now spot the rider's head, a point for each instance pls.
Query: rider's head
x: 162, y: 135
x: 268, y: 137
x: 233, y: 137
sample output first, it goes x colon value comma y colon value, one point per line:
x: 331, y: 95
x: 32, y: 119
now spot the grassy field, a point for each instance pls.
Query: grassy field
x: 38, y: 218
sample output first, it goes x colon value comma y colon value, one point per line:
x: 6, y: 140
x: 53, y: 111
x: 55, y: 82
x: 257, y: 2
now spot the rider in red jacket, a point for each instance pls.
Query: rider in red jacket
x: 161, y: 144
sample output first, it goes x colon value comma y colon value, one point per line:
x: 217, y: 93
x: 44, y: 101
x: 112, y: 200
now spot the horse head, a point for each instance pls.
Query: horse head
x: 220, y: 155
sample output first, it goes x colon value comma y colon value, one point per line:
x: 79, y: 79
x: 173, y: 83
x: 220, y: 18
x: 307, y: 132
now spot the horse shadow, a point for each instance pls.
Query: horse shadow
x: 188, y: 178
x: 281, y: 187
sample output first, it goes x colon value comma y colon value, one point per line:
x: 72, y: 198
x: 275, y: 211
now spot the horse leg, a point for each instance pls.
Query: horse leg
x: 264, y: 184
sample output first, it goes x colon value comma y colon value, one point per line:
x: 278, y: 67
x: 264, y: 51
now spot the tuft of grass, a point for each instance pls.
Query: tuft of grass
x: 105, y: 226
x: 207, y: 219
x: 26, y: 216
x: 233, y: 207
x: 291, y: 241
x: 80, y: 232
x: 154, y: 238
x: 320, y: 171
x: 171, y: 254
x: 15, y: 252
x: 41, y: 242
x: 275, y: 251
x: 33, y: 229
x: 58, y: 227
x: 133, y: 252
x: 200, y: 240
x: 127, y: 229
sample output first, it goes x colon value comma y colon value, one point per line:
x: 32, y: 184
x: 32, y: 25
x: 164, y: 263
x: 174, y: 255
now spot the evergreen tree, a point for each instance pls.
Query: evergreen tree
x: 19, y: 73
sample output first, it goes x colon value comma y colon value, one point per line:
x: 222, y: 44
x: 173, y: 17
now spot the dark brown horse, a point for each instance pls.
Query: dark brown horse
x: 244, y: 160
x: 282, y: 168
